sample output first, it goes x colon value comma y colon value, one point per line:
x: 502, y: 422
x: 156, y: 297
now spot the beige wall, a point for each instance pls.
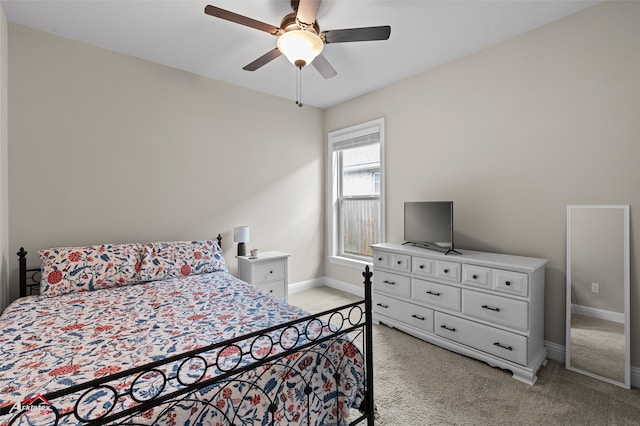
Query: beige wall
x: 4, y: 185
x: 104, y: 147
x: 515, y: 133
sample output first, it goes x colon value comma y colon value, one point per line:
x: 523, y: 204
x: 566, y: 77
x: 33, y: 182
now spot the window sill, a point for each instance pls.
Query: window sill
x: 347, y: 261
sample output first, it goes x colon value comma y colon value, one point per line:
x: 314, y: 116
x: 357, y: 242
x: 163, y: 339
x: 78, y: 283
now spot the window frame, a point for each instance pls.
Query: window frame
x: 335, y: 249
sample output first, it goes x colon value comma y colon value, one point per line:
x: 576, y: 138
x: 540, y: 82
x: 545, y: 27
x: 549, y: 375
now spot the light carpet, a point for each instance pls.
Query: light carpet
x: 417, y: 383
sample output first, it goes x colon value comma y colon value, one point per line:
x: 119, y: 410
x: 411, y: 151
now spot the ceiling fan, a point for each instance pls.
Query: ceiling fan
x: 299, y: 36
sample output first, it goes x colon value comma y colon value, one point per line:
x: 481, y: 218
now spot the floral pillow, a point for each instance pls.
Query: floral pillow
x: 180, y: 258
x: 76, y: 269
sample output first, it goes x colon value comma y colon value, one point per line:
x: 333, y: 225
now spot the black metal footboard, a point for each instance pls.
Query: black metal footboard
x: 302, y: 372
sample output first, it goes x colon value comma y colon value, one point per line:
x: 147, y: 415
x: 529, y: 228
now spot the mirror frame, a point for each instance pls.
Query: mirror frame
x: 626, y: 265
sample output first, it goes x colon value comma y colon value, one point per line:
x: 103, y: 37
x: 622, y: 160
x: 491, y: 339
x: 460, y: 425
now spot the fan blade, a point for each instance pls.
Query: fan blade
x: 357, y: 34
x: 324, y: 67
x: 307, y: 11
x: 262, y: 60
x: 242, y: 20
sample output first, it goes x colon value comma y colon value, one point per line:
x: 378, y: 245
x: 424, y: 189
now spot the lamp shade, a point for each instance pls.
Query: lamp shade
x: 241, y: 234
x: 300, y: 47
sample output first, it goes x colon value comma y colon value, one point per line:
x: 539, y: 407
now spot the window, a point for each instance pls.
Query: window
x: 355, y: 191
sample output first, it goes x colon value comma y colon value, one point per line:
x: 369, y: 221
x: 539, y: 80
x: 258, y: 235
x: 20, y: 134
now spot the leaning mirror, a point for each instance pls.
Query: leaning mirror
x: 598, y: 292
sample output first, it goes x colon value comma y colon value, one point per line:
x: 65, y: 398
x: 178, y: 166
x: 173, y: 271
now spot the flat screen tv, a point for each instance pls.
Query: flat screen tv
x: 429, y: 224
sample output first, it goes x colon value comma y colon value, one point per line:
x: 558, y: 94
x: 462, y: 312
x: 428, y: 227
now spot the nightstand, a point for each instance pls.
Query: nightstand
x: 268, y: 271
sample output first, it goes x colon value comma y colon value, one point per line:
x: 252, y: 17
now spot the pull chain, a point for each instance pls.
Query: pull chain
x: 299, y: 86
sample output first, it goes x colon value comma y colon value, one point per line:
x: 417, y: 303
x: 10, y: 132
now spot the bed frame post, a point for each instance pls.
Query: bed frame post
x: 22, y: 260
x: 368, y: 303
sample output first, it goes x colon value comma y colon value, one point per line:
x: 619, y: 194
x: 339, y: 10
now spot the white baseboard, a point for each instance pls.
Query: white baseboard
x: 306, y: 285
x: 588, y: 311
x: 327, y: 282
x: 343, y: 286
x: 555, y: 351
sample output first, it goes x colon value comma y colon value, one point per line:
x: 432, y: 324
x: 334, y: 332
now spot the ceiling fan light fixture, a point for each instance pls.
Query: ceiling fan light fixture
x: 300, y: 47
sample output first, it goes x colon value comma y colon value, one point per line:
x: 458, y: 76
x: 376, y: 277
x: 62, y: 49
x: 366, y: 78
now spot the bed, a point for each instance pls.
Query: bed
x: 161, y: 333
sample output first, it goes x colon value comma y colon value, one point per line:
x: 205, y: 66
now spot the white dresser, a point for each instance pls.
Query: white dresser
x: 269, y: 271
x: 484, y: 305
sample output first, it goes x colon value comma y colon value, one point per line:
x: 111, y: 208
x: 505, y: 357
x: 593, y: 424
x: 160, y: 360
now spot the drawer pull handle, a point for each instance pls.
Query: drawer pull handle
x: 399, y: 262
x: 491, y: 308
x: 382, y: 305
x: 379, y: 259
x: 509, y: 348
x: 507, y: 283
x: 417, y: 317
x: 389, y: 282
x: 475, y: 277
x: 421, y: 266
x: 446, y: 271
x: 435, y: 293
x: 448, y: 328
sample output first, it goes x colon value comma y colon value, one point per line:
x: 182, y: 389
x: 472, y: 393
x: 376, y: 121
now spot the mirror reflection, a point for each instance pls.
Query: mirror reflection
x: 598, y: 292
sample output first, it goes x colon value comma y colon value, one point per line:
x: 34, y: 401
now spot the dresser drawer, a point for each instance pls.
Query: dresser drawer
x: 397, y: 262
x: 495, y: 279
x: 423, y: 266
x: 400, y: 262
x: 381, y: 259
x: 397, y: 285
x: 436, y: 294
x: 275, y: 288
x: 487, y: 339
x: 449, y: 271
x: 416, y: 316
x: 495, y: 309
x: 512, y: 283
x: 477, y: 276
x: 268, y: 271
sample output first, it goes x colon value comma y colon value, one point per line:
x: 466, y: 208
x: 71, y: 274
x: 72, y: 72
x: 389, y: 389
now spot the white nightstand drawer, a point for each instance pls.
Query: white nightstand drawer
x: 395, y: 285
x: 275, y: 288
x: 496, y: 342
x: 269, y: 271
x: 442, y: 295
x: 416, y: 316
x: 495, y: 309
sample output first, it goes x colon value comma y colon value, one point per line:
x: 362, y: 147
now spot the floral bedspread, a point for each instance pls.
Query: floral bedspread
x: 49, y: 344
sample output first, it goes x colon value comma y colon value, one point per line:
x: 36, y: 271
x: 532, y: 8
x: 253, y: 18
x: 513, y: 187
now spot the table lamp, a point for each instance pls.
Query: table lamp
x: 241, y: 236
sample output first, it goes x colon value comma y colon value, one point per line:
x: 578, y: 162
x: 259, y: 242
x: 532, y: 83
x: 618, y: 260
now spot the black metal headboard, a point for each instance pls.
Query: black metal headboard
x: 30, y: 277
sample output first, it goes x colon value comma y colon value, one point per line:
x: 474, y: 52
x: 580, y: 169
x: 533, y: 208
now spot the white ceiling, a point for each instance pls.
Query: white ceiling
x: 177, y: 33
